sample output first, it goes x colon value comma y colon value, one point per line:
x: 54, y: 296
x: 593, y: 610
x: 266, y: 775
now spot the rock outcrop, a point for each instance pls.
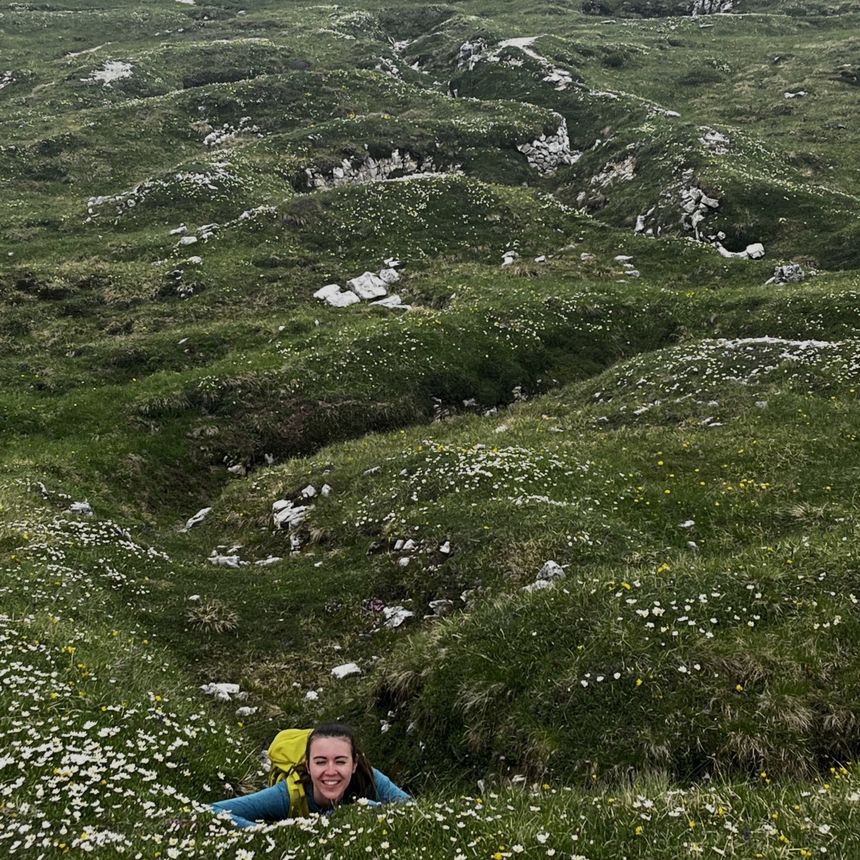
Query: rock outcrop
x: 549, y: 152
x: 356, y: 171
x: 710, y: 7
x: 790, y: 273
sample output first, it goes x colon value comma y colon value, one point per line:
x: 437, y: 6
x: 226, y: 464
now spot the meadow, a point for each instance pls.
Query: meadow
x: 572, y: 374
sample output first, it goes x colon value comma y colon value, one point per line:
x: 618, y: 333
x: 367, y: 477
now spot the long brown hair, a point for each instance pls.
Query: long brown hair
x: 362, y: 783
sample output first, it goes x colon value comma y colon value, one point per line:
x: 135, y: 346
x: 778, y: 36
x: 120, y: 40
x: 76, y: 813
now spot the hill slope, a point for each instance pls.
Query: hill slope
x: 577, y: 497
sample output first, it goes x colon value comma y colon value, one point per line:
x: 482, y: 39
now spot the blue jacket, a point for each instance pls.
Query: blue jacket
x: 273, y: 804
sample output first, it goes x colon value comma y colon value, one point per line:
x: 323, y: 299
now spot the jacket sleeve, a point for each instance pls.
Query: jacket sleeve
x: 387, y: 791
x: 270, y: 804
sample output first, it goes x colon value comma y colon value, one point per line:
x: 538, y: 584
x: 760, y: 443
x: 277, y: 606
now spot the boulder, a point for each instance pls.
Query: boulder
x: 331, y: 294
x: 551, y: 570
x: 221, y: 692
x: 287, y: 515
x: 367, y: 286
x: 396, y: 615
x: 389, y: 276
x: 790, y: 273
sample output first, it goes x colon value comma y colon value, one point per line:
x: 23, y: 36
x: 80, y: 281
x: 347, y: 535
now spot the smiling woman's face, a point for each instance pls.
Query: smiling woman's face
x: 331, y: 766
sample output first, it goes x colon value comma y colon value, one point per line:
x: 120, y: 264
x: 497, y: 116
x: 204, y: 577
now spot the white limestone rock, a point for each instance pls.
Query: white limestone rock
x: 221, y: 692
x: 389, y: 276
x: 231, y: 561
x: 551, y: 570
x: 392, y: 302
x: 396, y: 615
x: 287, y: 515
x: 82, y: 508
x: 345, y: 670
x: 197, y: 518
x: 539, y: 585
x: 441, y: 608
x: 790, y: 273
x: 367, y: 286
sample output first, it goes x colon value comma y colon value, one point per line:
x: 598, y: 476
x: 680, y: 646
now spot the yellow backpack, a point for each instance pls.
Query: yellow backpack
x: 287, y: 750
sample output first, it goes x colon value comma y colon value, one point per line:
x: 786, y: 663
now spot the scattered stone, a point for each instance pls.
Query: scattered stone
x: 687, y: 524
x: 441, y: 608
x: 188, y: 240
x: 404, y: 562
x: 539, y: 585
x: 445, y: 548
x: 332, y: 294
x: 615, y: 171
x: 395, y: 616
x: 622, y: 258
x: 179, y: 231
x: 287, y: 515
x: 231, y: 561
x: 367, y: 286
x: 373, y: 470
x: 540, y: 259
x: 112, y: 70
x: 392, y: 302
x: 751, y: 252
x: 715, y: 141
x: 508, y: 257
x: 268, y: 562
x: 82, y: 508
x: 325, y: 490
x: 196, y: 519
x: 389, y: 276
x: 238, y: 470
x: 245, y: 711
x: 551, y: 570
x: 346, y: 670
x: 790, y: 273
x: 309, y: 491
x: 798, y: 95
x: 221, y: 692
x: 312, y: 695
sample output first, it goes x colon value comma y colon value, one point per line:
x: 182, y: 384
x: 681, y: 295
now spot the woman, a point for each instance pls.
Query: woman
x: 333, y: 772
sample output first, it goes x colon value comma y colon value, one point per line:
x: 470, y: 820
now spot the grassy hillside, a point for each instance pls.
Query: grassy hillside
x: 572, y: 372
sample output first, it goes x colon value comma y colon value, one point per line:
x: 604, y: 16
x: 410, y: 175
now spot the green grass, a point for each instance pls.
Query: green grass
x: 683, y: 441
